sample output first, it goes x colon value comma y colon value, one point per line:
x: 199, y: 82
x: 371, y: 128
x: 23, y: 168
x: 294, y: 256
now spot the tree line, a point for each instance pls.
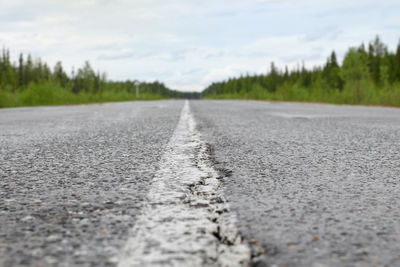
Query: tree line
x: 367, y: 75
x: 30, y: 81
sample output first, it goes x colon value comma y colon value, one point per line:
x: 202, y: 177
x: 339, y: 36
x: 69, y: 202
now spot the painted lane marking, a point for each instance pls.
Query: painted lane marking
x: 186, y: 220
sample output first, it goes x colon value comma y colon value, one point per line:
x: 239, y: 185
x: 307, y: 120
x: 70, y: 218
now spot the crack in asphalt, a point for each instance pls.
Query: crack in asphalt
x: 258, y: 252
x: 232, y: 248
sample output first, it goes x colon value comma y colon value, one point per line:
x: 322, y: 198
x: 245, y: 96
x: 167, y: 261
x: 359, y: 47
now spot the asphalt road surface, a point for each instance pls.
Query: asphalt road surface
x: 73, y: 179
x: 209, y: 182
x: 314, y: 184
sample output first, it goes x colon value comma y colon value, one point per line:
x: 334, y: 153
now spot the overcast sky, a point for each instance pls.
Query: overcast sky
x: 187, y: 44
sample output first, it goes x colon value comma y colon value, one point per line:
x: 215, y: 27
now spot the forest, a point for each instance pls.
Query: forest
x: 31, y: 82
x: 368, y: 75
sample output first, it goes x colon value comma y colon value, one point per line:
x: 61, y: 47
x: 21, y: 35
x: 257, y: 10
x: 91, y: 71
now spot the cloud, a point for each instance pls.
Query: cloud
x: 221, y: 73
x: 189, y: 44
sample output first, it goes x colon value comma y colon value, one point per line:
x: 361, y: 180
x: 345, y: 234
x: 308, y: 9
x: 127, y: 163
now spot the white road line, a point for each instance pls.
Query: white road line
x: 186, y: 220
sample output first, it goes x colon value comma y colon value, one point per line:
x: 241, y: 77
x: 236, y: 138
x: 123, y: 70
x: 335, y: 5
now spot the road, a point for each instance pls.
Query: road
x: 206, y: 182
x: 314, y: 184
x: 74, y: 178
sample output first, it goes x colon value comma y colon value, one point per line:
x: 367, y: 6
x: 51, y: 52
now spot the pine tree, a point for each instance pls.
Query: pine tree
x: 396, y: 64
x: 21, y: 70
x: 28, y: 69
x: 353, y: 71
x: 376, y: 51
x: 59, y: 74
x: 330, y: 72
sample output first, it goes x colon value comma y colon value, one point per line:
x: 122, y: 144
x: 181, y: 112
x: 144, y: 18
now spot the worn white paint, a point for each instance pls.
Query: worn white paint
x: 178, y: 224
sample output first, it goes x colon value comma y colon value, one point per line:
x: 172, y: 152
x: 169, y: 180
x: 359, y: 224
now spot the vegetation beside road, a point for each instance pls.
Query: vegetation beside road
x: 31, y: 82
x: 368, y: 76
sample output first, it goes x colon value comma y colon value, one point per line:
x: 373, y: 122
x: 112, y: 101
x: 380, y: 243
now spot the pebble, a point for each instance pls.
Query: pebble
x: 28, y: 219
x: 84, y: 222
x: 53, y: 238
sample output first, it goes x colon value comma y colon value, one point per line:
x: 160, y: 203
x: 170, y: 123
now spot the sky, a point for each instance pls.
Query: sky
x: 188, y: 44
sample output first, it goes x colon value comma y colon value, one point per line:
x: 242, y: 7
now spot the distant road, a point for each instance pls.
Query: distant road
x: 206, y: 183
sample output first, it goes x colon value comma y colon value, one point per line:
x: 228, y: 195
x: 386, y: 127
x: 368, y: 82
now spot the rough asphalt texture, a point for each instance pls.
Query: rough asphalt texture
x: 73, y: 179
x: 315, y: 185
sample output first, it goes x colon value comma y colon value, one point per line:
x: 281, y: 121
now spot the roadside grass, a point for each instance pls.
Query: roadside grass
x: 367, y: 94
x: 51, y: 93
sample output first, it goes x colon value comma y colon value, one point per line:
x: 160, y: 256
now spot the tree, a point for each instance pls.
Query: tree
x: 330, y: 72
x: 21, y: 70
x: 376, y: 51
x: 59, y: 74
x: 396, y: 63
x: 28, y: 69
x: 353, y: 71
x: 85, y: 78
